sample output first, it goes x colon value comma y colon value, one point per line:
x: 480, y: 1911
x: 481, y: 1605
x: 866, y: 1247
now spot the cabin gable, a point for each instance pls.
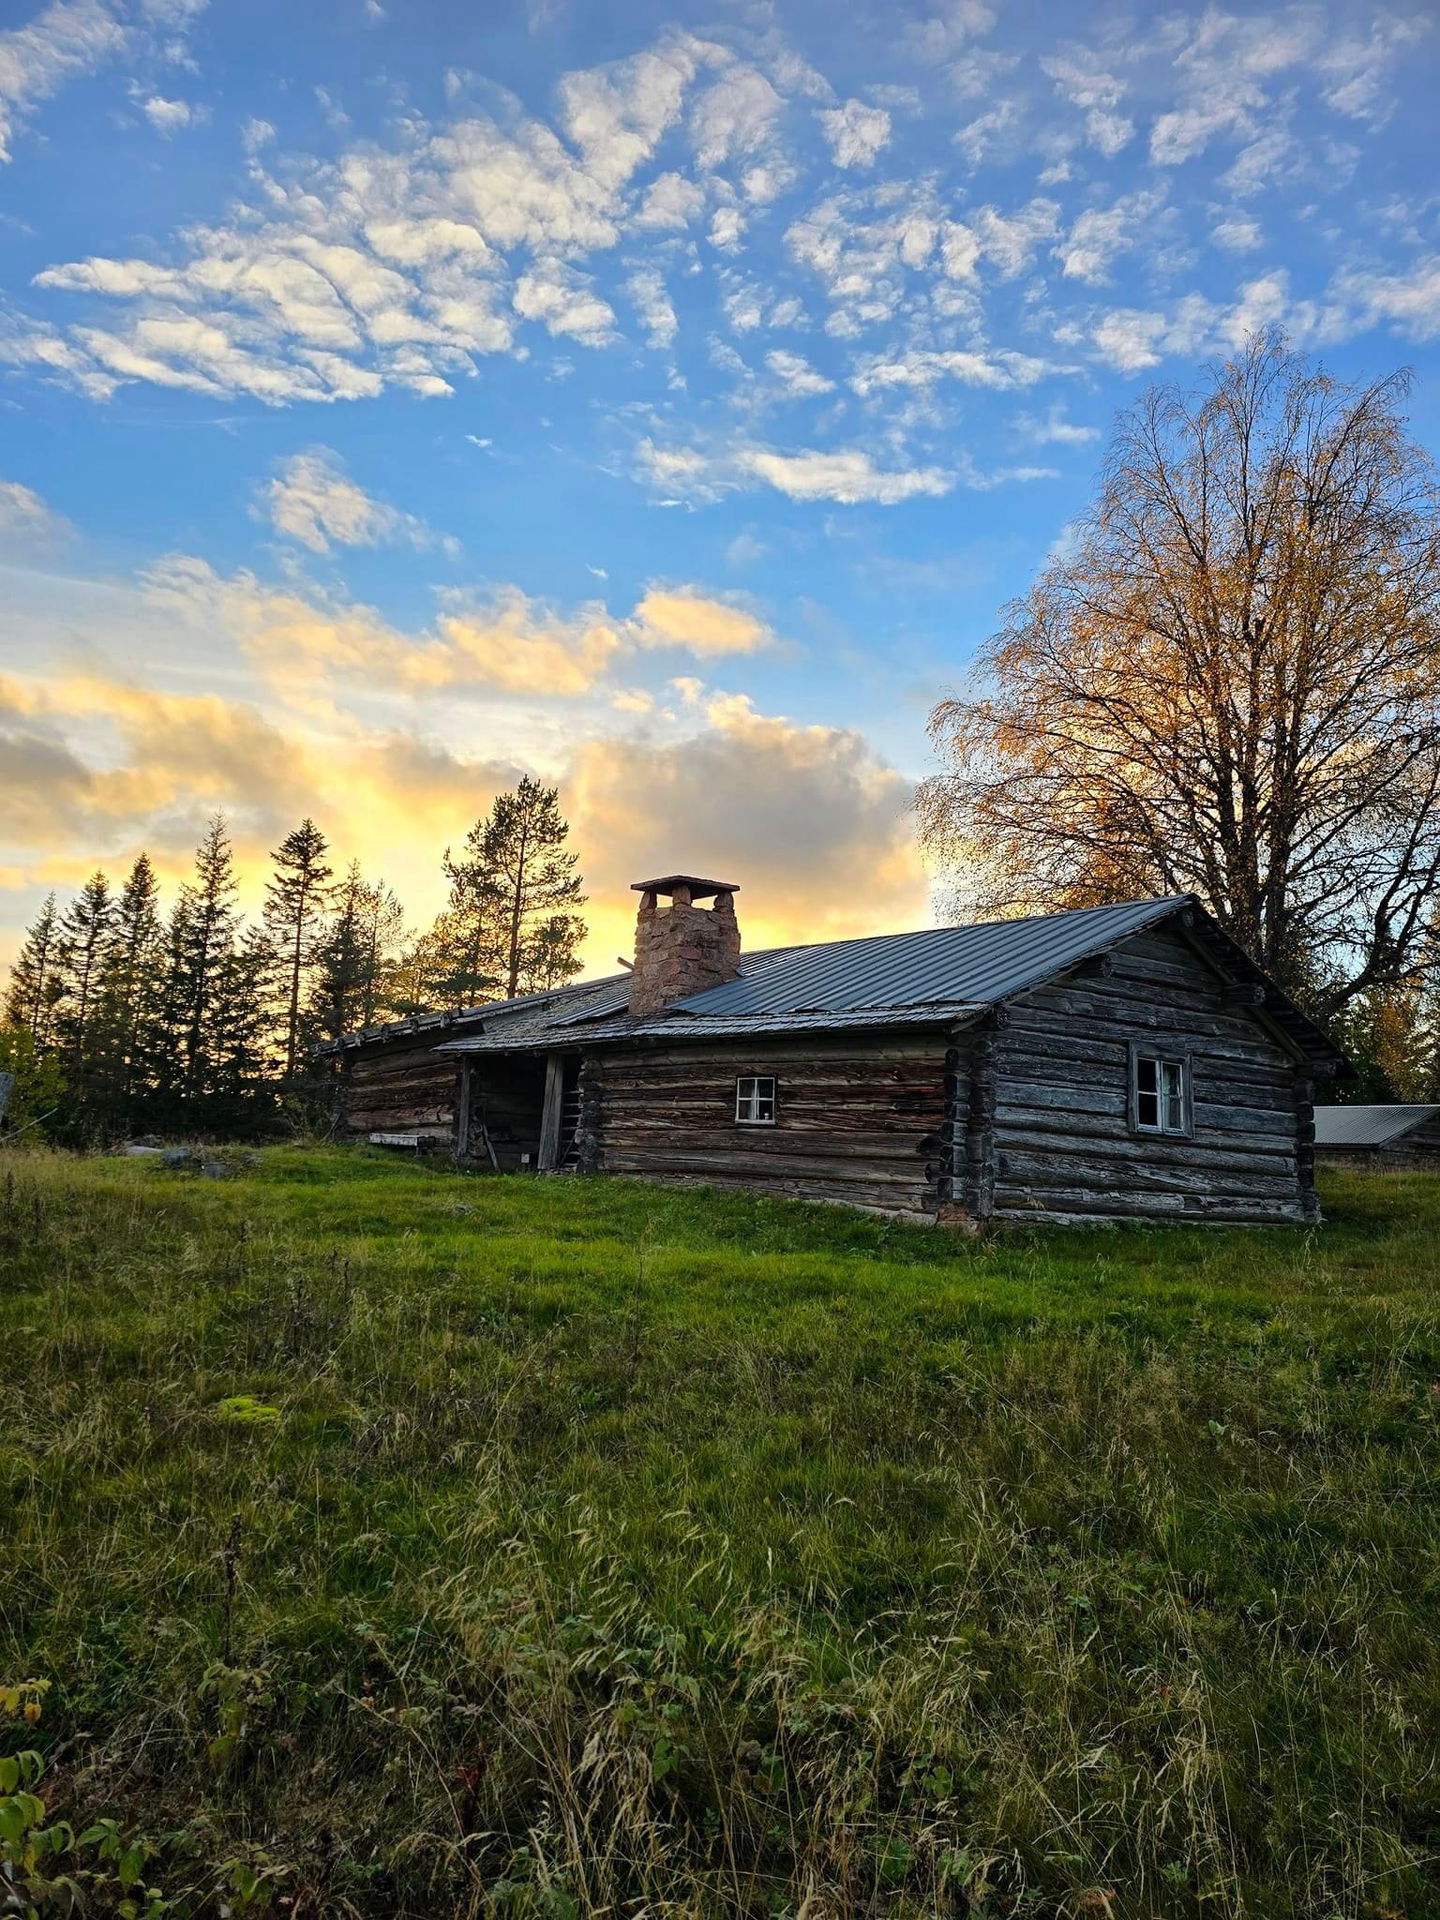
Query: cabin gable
x: 1066, y: 1145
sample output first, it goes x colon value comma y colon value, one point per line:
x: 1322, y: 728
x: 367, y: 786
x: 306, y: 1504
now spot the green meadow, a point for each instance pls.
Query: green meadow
x: 381, y: 1541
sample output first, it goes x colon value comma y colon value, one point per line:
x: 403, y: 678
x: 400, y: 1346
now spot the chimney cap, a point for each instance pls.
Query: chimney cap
x: 699, y: 889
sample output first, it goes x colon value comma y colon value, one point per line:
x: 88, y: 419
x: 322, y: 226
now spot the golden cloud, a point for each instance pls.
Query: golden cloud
x: 806, y: 818
x: 303, y: 645
x: 683, y: 617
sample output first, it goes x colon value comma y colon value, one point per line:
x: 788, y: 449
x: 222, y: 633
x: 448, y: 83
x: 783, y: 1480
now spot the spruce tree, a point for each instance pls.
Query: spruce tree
x: 239, y: 1095
x: 356, y: 956
x: 296, y: 901
x: 201, y: 940
x: 129, y: 1007
x: 35, y: 978
x: 533, y: 874
x: 85, y: 929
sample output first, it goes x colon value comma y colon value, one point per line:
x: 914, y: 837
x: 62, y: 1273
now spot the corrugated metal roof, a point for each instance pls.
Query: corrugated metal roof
x: 1367, y: 1126
x: 934, y: 976
x: 618, y: 997
x: 538, y: 1035
x: 956, y: 964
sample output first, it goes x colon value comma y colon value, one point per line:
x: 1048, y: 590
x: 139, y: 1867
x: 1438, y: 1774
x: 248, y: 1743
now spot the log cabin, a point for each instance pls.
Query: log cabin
x: 1121, y: 1062
x: 1380, y: 1137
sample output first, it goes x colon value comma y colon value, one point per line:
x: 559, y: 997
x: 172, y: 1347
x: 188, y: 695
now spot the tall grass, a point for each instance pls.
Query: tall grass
x: 461, y: 1545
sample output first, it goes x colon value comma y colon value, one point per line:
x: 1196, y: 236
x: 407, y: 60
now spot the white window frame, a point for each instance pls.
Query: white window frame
x: 751, y: 1099
x: 1174, y: 1103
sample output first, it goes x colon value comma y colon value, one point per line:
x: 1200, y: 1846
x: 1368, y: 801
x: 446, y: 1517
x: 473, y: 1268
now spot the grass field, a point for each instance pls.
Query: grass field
x: 405, y: 1543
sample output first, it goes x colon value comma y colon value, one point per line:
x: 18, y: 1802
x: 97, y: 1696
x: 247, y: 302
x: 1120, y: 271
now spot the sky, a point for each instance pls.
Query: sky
x: 398, y: 396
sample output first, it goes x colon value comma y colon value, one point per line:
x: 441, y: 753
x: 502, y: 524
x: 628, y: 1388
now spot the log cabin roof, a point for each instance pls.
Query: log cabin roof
x: 938, y: 976
x: 1379, y: 1126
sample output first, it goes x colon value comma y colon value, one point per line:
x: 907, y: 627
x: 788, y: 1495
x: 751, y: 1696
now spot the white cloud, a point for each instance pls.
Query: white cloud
x: 1408, y: 301
x: 1101, y: 233
x: 735, y: 116
x: 1010, y: 240
x: 727, y: 226
x: 848, y: 476
x: 796, y: 375
x: 64, y: 40
x: 942, y: 33
x: 976, y: 139
x: 1132, y: 339
x: 670, y: 202
x: 1055, y: 429
x: 1356, y: 71
x: 1237, y: 233
x: 312, y: 499
x: 647, y: 289
x: 1082, y: 78
x: 565, y: 301
x: 169, y: 116
x: 1272, y: 157
x: 856, y: 133
x: 1226, y: 67
x: 999, y: 370
x: 617, y: 114
x: 25, y: 519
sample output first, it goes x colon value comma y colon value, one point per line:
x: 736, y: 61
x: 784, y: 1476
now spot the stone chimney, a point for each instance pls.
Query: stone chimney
x: 682, y: 948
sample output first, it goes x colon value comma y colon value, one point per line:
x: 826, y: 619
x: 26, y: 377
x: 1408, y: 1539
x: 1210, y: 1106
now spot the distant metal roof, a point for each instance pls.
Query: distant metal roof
x: 968, y: 965
x: 1367, y: 1126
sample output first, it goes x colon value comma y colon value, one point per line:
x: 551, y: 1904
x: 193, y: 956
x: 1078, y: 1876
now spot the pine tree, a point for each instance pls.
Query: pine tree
x: 201, y: 940
x: 459, y: 961
x: 524, y: 854
x: 295, y: 907
x: 35, y: 978
x: 129, y: 1006
x: 85, y: 929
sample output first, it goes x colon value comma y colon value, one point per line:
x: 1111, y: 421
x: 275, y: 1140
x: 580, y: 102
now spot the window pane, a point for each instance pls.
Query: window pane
x: 1147, y: 1109
x: 1146, y: 1072
x: 755, y: 1098
x: 1172, y: 1084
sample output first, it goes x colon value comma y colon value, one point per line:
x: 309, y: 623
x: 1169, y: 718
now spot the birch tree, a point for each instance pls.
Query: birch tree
x: 1228, y: 685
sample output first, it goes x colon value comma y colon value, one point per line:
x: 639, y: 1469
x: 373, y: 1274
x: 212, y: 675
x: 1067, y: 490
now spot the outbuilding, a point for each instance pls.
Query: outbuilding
x: 1379, y: 1136
x: 1110, y: 1063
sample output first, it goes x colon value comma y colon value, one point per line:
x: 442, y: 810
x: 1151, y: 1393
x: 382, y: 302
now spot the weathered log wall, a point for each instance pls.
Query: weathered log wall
x: 1062, y: 1147
x: 399, y: 1087
x: 859, y: 1119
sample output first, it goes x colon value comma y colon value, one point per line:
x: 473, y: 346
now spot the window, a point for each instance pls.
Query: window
x: 755, y: 1101
x: 1159, y: 1093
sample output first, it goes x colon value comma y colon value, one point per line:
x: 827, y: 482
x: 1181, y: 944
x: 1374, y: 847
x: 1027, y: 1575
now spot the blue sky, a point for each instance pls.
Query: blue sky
x: 397, y: 397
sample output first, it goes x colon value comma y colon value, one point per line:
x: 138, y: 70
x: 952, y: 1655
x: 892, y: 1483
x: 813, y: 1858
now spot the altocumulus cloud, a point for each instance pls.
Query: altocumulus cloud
x: 313, y: 499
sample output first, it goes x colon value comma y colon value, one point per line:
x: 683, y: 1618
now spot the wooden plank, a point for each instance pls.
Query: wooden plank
x: 550, y: 1116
